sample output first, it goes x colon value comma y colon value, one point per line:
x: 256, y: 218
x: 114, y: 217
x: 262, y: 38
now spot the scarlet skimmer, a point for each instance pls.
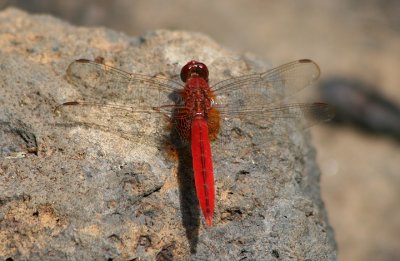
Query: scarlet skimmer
x: 194, y: 107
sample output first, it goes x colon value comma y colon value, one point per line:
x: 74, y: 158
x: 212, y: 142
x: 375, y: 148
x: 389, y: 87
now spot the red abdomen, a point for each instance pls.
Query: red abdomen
x: 202, y: 167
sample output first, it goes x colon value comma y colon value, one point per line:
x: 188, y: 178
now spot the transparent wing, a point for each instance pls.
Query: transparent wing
x: 257, y: 91
x: 303, y: 114
x: 102, y: 84
x: 273, y: 122
x: 259, y: 97
x: 112, y: 100
x: 118, y: 120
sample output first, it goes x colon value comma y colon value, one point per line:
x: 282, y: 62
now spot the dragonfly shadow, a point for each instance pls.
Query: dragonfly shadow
x: 188, y: 199
x: 17, y: 139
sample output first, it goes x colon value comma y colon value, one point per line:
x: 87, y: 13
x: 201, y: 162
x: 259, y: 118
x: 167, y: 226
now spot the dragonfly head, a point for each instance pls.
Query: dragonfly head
x: 194, y: 69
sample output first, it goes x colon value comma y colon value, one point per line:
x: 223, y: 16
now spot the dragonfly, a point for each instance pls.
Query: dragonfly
x: 195, y: 106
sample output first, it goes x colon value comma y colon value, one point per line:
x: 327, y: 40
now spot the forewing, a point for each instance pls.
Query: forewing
x: 101, y: 84
x: 257, y: 91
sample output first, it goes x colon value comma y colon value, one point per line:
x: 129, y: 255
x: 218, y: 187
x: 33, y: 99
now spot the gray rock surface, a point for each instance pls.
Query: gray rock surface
x: 98, y: 190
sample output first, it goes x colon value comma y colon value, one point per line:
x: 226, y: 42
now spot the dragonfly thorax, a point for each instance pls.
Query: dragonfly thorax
x: 197, y: 99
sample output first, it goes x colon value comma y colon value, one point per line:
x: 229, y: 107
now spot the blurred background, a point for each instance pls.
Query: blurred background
x: 357, y: 45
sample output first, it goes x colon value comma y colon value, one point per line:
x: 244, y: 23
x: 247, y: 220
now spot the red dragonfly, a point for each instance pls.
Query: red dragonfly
x: 195, y: 107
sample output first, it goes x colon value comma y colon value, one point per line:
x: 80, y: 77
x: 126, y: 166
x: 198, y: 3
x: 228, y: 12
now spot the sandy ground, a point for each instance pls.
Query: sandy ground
x: 361, y: 180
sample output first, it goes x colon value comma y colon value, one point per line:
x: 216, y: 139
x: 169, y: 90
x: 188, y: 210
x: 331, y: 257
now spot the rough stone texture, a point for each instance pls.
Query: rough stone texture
x: 94, y: 193
x: 360, y: 181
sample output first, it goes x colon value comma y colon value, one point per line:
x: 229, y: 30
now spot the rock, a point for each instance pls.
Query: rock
x: 98, y: 190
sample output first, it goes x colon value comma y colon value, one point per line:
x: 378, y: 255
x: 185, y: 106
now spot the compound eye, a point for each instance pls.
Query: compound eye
x: 194, y: 67
x: 202, y: 71
x: 185, y: 71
